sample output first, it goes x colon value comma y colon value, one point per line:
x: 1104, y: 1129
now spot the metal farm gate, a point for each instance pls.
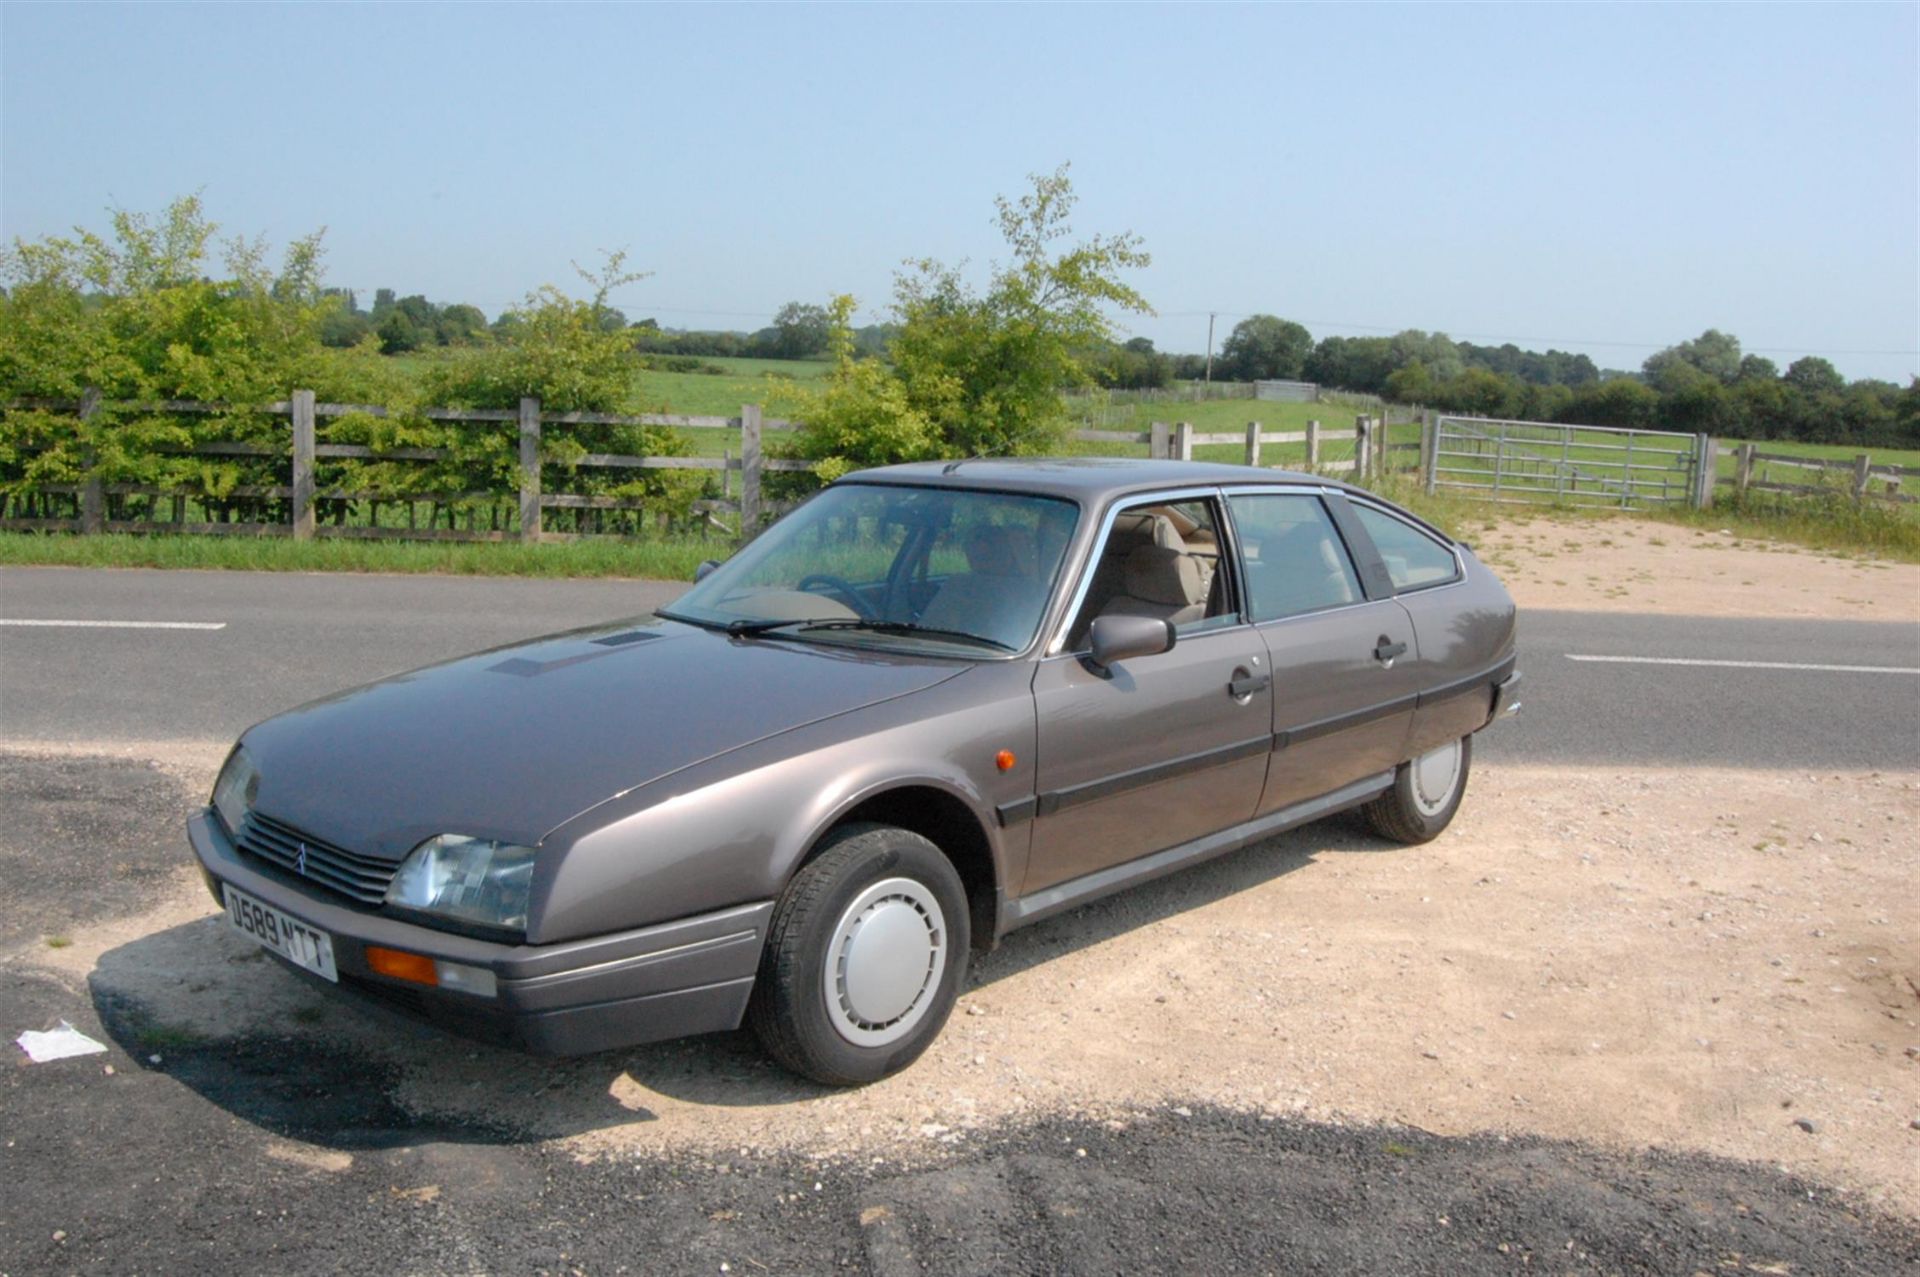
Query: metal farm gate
x: 1542, y: 463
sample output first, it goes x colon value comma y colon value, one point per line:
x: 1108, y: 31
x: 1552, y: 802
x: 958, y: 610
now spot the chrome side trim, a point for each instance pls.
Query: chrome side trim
x: 1104, y: 882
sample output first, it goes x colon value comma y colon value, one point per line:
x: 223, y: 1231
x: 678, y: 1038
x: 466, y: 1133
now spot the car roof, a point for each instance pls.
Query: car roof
x: 1088, y: 480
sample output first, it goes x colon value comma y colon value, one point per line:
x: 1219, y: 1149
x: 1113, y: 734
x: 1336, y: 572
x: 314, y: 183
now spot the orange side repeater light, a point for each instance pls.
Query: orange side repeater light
x: 1005, y: 760
x: 414, y: 967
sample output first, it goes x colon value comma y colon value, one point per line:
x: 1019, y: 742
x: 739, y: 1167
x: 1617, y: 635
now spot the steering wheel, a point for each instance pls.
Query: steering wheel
x: 848, y: 595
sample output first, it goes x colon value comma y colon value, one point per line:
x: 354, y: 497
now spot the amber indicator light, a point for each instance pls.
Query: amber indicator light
x: 415, y: 967
x: 1005, y: 760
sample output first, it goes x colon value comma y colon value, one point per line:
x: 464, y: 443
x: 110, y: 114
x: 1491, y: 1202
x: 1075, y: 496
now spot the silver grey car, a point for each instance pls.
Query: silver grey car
x: 934, y: 704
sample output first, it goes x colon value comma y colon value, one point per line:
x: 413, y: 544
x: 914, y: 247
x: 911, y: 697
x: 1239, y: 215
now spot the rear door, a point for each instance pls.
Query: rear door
x: 1339, y: 647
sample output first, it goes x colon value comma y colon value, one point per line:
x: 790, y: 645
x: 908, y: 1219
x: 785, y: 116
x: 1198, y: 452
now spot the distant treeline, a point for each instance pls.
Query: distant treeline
x: 1703, y: 385
x: 403, y: 324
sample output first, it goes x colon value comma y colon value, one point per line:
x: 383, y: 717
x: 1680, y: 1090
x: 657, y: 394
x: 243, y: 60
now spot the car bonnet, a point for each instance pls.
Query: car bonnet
x: 510, y: 743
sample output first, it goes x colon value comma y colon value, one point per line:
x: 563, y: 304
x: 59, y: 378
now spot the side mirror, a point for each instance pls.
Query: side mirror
x: 1117, y: 638
x: 705, y: 570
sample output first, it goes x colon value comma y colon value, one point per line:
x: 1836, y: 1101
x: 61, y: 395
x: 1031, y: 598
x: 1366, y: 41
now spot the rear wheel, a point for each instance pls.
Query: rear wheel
x: 864, y: 957
x: 1426, y: 793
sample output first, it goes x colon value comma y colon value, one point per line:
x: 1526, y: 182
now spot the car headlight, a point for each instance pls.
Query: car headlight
x: 466, y: 879
x: 235, y: 790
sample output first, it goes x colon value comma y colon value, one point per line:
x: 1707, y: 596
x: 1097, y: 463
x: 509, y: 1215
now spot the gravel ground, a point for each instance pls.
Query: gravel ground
x: 241, y: 1122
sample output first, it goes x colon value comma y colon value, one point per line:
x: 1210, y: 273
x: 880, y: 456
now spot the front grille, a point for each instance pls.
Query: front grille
x: 357, y: 877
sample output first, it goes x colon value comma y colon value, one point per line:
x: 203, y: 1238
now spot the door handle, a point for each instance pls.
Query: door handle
x: 1244, y: 684
x: 1386, y: 650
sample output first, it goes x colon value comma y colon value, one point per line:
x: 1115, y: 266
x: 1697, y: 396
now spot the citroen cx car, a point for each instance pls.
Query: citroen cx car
x: 934, y: 704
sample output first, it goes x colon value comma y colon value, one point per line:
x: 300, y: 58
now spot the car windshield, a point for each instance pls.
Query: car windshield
x: 945, y: 568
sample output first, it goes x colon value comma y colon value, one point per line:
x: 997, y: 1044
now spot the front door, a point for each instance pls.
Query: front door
x: 1156, y: 750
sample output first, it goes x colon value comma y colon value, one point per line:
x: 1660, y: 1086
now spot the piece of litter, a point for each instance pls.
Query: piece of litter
x: 57, y: 1044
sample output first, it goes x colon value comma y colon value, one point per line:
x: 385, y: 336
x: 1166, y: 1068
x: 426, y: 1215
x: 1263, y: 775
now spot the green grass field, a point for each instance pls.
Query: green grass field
x: 1823, y: 451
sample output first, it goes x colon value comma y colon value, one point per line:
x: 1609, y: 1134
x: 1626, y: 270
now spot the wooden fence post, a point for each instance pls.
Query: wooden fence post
x: 1360, y: 448
x: 1157, y: 443
x: 301, y: 410
x: 1313, y: 447
x: 749, y: 469
x: 1183, y: 440
x: 1253, y: 443
x: 1743, y: 472
x: 1862, y: 469
x: 530, y: 520
x: 93, y: 501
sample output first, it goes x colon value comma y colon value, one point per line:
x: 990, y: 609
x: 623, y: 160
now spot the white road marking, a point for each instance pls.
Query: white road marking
x: 120, y: 625
x: 1749, y: 665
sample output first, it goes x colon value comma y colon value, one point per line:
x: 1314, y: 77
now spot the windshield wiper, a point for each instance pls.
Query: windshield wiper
x: 749, y: 627
x: 904, y: 627
x: 744, y: 627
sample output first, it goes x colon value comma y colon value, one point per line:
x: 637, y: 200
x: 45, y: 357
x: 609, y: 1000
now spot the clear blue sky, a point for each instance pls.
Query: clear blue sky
x: 1609, y: 179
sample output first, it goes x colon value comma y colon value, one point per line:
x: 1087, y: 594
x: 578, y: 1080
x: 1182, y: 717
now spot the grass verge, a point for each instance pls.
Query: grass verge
x: 671, y: 559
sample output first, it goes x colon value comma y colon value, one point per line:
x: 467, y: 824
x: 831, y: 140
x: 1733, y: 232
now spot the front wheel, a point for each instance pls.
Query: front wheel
x: 864, y: 957
x: 1426, y: 793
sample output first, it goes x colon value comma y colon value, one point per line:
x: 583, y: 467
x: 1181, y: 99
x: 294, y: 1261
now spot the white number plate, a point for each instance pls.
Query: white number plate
x: 298, y: 943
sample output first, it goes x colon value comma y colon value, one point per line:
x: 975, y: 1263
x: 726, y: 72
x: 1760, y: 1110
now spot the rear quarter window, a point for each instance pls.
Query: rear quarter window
x: 1413, y: 557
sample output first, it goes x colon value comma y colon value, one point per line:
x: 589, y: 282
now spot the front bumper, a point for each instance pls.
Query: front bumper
x: 673, y: 980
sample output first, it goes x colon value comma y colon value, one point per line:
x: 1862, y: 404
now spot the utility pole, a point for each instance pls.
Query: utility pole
x: 1209, y: 348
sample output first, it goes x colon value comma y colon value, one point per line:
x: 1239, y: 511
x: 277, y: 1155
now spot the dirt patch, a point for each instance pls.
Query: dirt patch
x: 1623, y: 564
x: 1703, y: 960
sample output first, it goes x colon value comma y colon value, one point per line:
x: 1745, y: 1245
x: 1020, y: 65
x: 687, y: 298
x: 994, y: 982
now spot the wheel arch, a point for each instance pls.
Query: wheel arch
x: 947, y: 821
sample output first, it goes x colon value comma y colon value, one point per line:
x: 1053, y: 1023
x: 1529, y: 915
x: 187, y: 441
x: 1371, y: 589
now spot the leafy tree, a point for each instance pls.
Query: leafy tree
x: 1262, y: 347
x: 559, y: 349
x: 1619, y: 401
x: 460, y: 325
x: 1353, y: 363
x: 397, y: 332
x: 1133, y: 365
x: 1756, y: 368
x: 981, y: 373
x: 799, y: 331
x: 1435, y: 350
x: 1814, y: 375
x: 1713, y: 352
x: 137, y: 313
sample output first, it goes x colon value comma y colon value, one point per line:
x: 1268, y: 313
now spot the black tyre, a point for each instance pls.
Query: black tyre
x: 1426, y: 792
x: 864, y: 957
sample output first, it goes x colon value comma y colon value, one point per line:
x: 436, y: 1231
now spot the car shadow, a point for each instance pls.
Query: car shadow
x: 266, y: 1045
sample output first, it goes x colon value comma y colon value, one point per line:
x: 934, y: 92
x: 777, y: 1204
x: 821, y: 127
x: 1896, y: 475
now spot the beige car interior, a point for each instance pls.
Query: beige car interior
x: 1158, y: 561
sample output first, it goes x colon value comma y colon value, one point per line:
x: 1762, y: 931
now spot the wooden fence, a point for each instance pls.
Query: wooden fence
x: 1371, y: 457
x: 1857, y: 477
x: 302, y: 450
x: 94, y: 506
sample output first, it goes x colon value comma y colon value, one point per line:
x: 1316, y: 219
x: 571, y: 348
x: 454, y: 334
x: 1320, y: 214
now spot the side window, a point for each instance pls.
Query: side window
x: 1160, y: 559
x: 1413, y: 558
x: 1295, y: 560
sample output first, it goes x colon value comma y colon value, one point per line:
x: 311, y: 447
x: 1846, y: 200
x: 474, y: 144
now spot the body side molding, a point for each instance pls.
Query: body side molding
x: 1079, y: 891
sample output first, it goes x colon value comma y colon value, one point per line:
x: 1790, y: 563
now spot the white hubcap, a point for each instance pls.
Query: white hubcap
x: 1435, y: 775
x: 885, y: 961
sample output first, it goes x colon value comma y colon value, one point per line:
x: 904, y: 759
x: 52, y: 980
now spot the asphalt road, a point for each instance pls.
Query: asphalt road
x: 290, y: 638
x: 180, y: 1152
